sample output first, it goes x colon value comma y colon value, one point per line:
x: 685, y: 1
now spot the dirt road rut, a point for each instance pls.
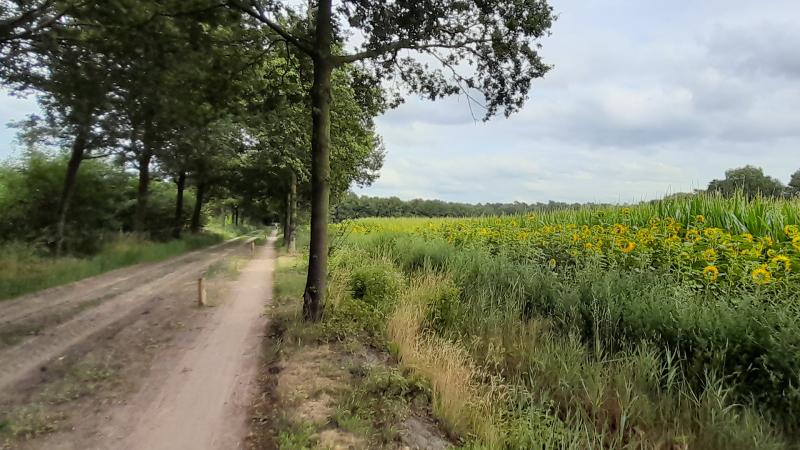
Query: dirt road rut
x: 200, y: 401
x: 114, y: 298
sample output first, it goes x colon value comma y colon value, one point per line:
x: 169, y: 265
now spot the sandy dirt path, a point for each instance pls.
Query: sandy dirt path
x: 199, y: 399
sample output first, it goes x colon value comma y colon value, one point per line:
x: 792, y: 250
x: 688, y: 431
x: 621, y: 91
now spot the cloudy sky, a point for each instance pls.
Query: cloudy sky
x: 645, y: 98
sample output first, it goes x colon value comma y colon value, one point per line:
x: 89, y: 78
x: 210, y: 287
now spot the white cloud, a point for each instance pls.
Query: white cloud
x: 645, y: 99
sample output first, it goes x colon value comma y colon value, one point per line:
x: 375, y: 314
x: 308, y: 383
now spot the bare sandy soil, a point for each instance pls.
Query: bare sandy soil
x: 172, y: 375
x: 201, y: 400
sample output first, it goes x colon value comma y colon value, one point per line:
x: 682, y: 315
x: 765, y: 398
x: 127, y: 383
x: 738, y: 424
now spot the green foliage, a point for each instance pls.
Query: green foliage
x: 353, y: 206
x: 24, y: 270
x: 748, y: 179
x: 301, y: 437
x: 29, y: 197
x: 597, y: 354
x: 382, y: 398
x: 103, y: 203
x: 794, y: 184
x: 376, y: 285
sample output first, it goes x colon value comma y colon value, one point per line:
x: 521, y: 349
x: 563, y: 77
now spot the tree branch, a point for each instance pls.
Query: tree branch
x: 28, y: 21
x: 404, y: 44
x: 259, y: 15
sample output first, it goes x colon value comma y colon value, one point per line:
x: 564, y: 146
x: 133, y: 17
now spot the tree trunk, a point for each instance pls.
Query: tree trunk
x: 287, y: 219
x: 181, y: 185
x: 143, y: 192
x: 143, y: 159
x: 314, y: 296
x: 198, y: 207
x: 75, y: 159
x: 292, y: 212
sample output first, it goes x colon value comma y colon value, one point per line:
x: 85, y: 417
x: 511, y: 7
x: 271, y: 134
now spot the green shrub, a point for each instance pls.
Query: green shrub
x: 375, y: 284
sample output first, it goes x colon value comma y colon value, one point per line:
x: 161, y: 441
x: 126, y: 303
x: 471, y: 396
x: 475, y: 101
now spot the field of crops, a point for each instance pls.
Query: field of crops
x: 673, y: 324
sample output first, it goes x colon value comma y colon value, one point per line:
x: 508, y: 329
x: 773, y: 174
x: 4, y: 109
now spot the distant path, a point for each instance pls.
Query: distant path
x: 109, y: 300
x: 199, y: 399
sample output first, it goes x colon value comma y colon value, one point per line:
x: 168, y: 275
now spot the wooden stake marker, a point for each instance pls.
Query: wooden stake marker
x: 201, y: 291
x: 253, y: 248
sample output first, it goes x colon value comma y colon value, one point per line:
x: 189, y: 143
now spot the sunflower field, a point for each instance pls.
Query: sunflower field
x: 669, y: 324
x: 697, y: 254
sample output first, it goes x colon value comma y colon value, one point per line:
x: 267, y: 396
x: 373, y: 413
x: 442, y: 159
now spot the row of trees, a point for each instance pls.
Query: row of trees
x: 198, y: 97
x: 749, y: 180
x: 103, y: 202
x: 194, y: 84
x: 353, y: 206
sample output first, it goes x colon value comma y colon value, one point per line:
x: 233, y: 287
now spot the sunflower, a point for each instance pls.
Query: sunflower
x: 627, y: 246
x: 710, y: 255
x: 618, y: 228
x: 552, y: 263
x: 796, y: 243
x: 700, y: 218
x: 791, y: 231
x: 761, y: 275
x: 711, y: 273
x: 783, y: 260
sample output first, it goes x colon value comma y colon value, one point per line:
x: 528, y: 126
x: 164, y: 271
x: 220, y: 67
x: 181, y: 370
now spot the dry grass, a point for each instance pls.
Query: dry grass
x: 464, y: 405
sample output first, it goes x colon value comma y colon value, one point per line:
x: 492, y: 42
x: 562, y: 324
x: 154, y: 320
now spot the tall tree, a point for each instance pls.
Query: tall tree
x: 26, y: 19
x: 434, y: 47
x: 70, y: 74
x: 749, y: 180
x: 794, y: 183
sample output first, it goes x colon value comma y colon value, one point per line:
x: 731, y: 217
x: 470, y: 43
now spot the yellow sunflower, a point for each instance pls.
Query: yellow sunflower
x: 783, y: 260
x: 627, y: 246
x: 711, y: 273
x: 761, y: 275
x: 710, y: 255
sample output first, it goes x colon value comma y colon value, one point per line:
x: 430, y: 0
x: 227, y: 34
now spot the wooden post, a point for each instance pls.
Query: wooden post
x: 253, y: 248
x: 201, y: 292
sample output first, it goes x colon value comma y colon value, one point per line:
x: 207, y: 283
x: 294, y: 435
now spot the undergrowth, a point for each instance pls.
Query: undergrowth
x: 519, y: 358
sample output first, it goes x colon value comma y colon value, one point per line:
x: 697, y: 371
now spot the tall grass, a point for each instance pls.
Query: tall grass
x: 523, y: 356
x: 760, y: 216
x: 24, y: 270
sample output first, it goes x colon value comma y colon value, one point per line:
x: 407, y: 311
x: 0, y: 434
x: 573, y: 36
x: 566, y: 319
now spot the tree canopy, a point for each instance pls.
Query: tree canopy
x: 486, y: 51
x: 748, y: 179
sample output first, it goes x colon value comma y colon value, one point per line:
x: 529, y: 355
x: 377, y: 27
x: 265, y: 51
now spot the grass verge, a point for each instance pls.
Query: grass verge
x: 323, y: 390
x: 22, y: 271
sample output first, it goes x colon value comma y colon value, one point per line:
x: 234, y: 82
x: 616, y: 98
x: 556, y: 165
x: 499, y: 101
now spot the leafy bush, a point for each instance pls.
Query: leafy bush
x: 102, y: 206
